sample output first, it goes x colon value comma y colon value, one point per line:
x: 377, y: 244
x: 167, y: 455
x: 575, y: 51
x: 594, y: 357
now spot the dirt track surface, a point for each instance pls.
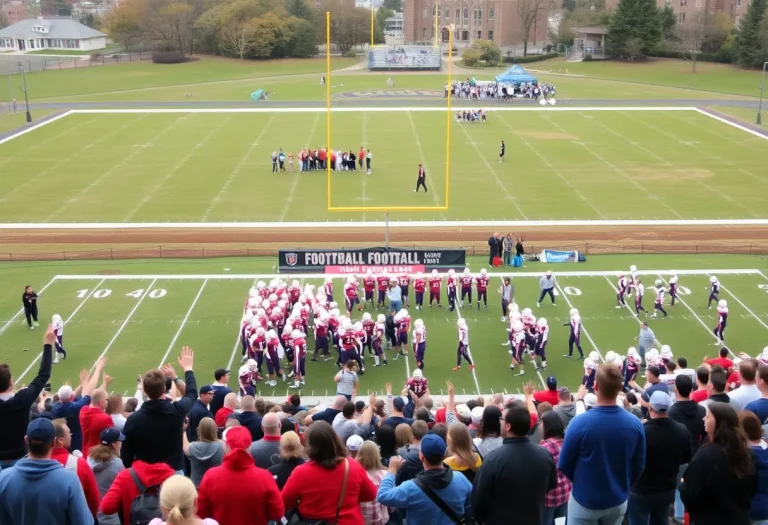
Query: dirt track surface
x: 205, y: 242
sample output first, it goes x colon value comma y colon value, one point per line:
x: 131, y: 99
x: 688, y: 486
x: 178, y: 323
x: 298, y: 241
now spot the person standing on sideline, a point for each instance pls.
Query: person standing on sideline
x: 274, y: 162
x: 547, y: 285
x: 361, y: 157
x: 499, y: 486
x: 603, y: 454
x: 519, y: 249
x: 502, y: 151
x: 507, y: 244
x: 667, y: 448
x: 29, y: 300
x: 38, y: 489
x: 494, y: 244
x: 368, y: 159
x: 645, y: 339
x: 506, y: 292
x: 422, y: 180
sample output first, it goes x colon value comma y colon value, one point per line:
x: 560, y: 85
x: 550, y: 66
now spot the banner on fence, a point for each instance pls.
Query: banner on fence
x: 379, y: 260
x: 555, y: 256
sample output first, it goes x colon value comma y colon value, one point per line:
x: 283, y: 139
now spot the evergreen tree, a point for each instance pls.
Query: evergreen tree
x: 299, y: 9
x: 748, y: 48
x: 637, y: 21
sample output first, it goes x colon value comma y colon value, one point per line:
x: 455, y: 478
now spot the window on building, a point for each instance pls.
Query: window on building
x: 490, y: 14
x: 438, y: 11
x: 683, y: 3
x: 490, y: 36
x: 424, y: 13
x: 479, y: 15
x: 447, y: 14
x: 423, y: 33
x: 465, y: 35
x: 479, y: 34
x: 458, y: 15
x: 698, y: 4
x: 738, y: 3
x: 466, y: 13
x: 681, y: 18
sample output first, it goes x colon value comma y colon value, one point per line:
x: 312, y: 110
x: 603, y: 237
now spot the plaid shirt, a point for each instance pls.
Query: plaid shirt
x: 375, y: 513
x: 558, y: 495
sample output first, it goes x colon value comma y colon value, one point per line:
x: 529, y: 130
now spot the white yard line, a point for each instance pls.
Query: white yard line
x: 183, y: 322
x: 583, y: 329
x: 554, y: 170
x: 654, y: 198
x: 125, y: 322
x: 237, y: 339
x: 77, y: 198
x: 364, y: 140
x: 424, y: 163
x: 21, y: 311
x: 701, y: 322
x: 753, y: 314
x: 297, y: 175
x: 469, y: 352
x: 171, y: 172
x: 507, y: 196
x: 67, y: 320
x: 232, y: 176
x: 634, y: 316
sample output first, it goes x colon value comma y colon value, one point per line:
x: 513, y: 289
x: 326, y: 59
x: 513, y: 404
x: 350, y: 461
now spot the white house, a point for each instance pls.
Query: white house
x: 51, y: 33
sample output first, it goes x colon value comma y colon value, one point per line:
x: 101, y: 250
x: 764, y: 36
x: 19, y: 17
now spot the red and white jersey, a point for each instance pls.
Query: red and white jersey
x: 660, y: 293
x: 258, y: 344
x: 247, y: 318
x: 464, y: 335
x: 450, y: 282
x: 262, y: 321
x: 529, y: 323
x: 249, y: 331
x: 404, y: 324
x: 321, y: 328
x: 404, y: 280
x: 418, y: 386
x: 575, y: 325
x: 639, y: 289
x: 300, y: 347
x: 632, y: 278
x: 293, y: 294
x: 333, y: 324
x: 272, y: 345
x: 420, y: 284
x: 378, y: 331
x: 420, y: 335
x: 382, y: 281
x: 278, y: 321
x: 350, y: 290
x: 368, y: 327
x: 518, y: 338
x: 543, y: 332
x: 482, y: 283
x: 369, y: 283
x: 246, y: 377
x: 435, y: 283
x: 466, y: 281
x: 58, y: 327
x: 348, y: 340
x: 304, y: 313
x: 328, y: 288
x: 264, y: 292
x: 722, y: 314
x: 287, y: 339
x: 622, y: 283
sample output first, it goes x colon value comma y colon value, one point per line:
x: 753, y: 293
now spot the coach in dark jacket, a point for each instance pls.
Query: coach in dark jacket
x: 515, y: 477
x: 494, y: 243
x: 153, y: 434
x: 199, y: 411
x: 14, y: 408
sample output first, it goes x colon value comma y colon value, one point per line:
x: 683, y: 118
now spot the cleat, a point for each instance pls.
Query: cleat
x: 503, y: 319
x: 617, y: 307
x: 455, y: 368
x: 291, y: 374
x: 314, y: 360
x: 471, y: 367
x: 538, y: 305
x: 522, y: 372
x: 376, y: 365
x: 295, y: 385
x: 385, y: 363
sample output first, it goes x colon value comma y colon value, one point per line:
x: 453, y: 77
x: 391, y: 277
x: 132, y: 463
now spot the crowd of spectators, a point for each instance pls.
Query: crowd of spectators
x: 470, y: 89
x: 182, y: 454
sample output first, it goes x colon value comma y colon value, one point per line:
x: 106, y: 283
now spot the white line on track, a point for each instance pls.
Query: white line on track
x: 237, y: 339
x: 701, y: 322
x: 474, y: 374
x: 66, y: 321
x: 297, y: 175
x: 183, y: 322
x: 125, y: 322
x: 43, y: 142
x: 538, y: 372
x: 171, y: 172
x: 21, y: 311
x: 634, y: 316
x: 753, y: 314
x: 583, y: 329
x: 36, y: 126
x: 235, y: 172
x: 364, y: 140
x: 424, y: 163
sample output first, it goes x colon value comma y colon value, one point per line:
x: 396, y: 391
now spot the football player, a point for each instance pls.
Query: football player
x: 300, y: 358
x: 419, y: 342
x: 517, y: 340
x: 639, y: 291
x: 382, y: 283
x: 673, y: 284
x: 590, y: 371
x: 722, y: 319
x: 405, y: 282
x: 463, y: 348
x: 482, y: 288
x: 451, y: 283
x: 542, y: 335
x: 248, y: 376
x: 403, y: 325
x: 435, y: 283
x: 418, y: 384
x: 622, y: 288
x: 659, y: 303
x: 714, y: 290
x: 58, y: 328
x: 575, y: 336
x: 369, y: 285
x: 419, y: 286
x: 466, y: 287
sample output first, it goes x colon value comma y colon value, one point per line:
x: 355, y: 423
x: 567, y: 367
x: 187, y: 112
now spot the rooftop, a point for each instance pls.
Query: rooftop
x: 50, y: 28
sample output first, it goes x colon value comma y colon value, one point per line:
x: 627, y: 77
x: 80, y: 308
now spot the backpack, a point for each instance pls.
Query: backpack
x: 146, y: 506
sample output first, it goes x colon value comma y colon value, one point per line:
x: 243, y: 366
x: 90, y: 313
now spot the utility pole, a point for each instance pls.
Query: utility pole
x: 10, y: 87
x: 26, y: 98
x: 760, y: 105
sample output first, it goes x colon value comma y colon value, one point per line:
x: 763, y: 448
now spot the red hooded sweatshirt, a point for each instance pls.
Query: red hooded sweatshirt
x: 92, y: 422
x: 239, y: 492
x: 85, y: 474
x: 123, y: 491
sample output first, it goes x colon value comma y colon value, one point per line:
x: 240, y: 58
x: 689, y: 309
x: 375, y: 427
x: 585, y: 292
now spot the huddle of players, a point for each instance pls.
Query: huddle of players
x: 626, y: 286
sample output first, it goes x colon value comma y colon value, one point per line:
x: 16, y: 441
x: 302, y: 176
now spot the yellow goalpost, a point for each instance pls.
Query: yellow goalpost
x: 328, y: 130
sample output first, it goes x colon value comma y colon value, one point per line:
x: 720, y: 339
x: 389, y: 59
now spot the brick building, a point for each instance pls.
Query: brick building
x: 14, y: 12
x: 496, y: 20
x: 686, y: 9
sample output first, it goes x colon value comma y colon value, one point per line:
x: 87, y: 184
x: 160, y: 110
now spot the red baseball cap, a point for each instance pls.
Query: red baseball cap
x: 238, y: 437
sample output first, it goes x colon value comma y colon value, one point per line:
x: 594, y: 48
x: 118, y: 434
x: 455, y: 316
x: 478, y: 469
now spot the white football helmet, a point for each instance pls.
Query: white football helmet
x: 261, y: 285
x: 542, y: 322
x: 403, y: 312
x: 272, y: 334
x: 764, y: 356
x: 527, y: 312
x: 358, y: 326
x: 620, y: 275
x: 666, y: 352
x: 252, y: 303
x: 722, y: 303
x: 261, y: 312
x: 713, y: 279
x: 417, y: 374
x: 590, y: 364
x: 418, y: 324
x: 633, y: 268
x: 348, y: 325
x: 350, y: 279
x: 335, y: 313
x: 252, y: 365
x: 594, y: 356
x: 651, y: 356
x: 297, y: 334
x: 434, y: 273
x: 514, y: 307
x: 466, y: 271
x: 610, y: 356
x: 461, y: 322
x: 366, y: 316
x: 483, y: 272
x: 658, y: 282
x: 573, y: 311
x: 272, y: 298
x: 277, y: 310
x: 515, y: 316
x: 451, y: 273
x: 328, y: 280
x: 516, y: 326
x: 333, y: 305
x: 381, y: 318
x: 419, y: 275
x: 632, y: 351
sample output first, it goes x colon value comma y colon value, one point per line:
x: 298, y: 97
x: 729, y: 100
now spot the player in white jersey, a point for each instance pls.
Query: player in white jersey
x: 463, y: 348
x: 622, y: 288
x: 419, y: 342
x: 58, y: 328
x: 247, y: 377
x: 714, y: 290
x: 673, y: 287
x: 722, y: 320
x: 658, y: 304
x: 517, y: 340
x: 639, y: 292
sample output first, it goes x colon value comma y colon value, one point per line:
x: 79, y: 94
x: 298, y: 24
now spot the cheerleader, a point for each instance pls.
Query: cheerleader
x: 722, y: 319
x: 658, y: 305
x: 58, y: 329
x: 463, y: 348
x: 714, y: 290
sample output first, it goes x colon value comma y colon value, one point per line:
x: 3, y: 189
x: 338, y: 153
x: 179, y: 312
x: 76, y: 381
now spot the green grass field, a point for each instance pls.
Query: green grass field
x: 148, y: 167
x: 139, y: 314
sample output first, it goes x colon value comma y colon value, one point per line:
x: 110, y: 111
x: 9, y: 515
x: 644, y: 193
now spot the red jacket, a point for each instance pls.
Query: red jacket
x: 85, y: 474
x: 316, y: 492
x: 92, y: 422
x: 547, y: 396
x: 123, y: 491
x: 239, y: 492
x: 221, y: 416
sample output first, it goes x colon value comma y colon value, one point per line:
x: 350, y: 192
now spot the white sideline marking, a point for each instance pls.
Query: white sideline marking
x: 733, y: 124
x: 183, y: 322
x: 40, y: 354
x: 364, y: 140
x: 753, y: 314
x: 379, y: 224
x: 469, y: 352
x: 382, y: 109
x: 424, y: 163
x: 34, y: 127
x: 296, y: 176
x: 583, y: 329
x: 634, y: 316
x: 323, y: 275
x: 237, y: 339
x: 701, y: 322
x: 21, y: 311
x: 125, y: 322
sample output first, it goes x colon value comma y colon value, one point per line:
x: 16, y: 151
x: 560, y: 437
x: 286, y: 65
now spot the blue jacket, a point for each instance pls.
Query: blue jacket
x: 603, y: 455
x: 42, y: 492
x: 759, y: 501
x: 71, y: 412
x: 452, y: 487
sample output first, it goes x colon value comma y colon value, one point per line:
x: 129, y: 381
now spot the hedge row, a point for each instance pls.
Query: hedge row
x: 530, y: 58
x: 168, y: 57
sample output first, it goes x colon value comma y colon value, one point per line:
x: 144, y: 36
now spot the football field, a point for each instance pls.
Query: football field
x: 141, y: 321
x: 562, y: 163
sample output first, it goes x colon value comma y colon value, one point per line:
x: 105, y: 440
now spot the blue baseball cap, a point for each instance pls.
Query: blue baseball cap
x: 111, y: 435
x: 433, y: 447
x: 41, y: 429
x: 659, y: 401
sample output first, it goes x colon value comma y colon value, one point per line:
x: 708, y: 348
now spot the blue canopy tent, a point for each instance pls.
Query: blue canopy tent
x: 516, y: 75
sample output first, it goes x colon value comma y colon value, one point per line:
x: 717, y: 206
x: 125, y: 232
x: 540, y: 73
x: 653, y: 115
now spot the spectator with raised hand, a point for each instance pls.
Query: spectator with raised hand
x: 15, y: 406
x: 178, y: 503
x: 104, y: 460
x: 154, y: 433
x: 420, y: 496
x: 395, y: 405
x: 69, y: 405
x: 329, y: 486
x: 603, y: 455
x: 292, y: 455
x: 238, y: 492
x: 38, y: 490
x: 94, y: 417
x: 205, y: 453
x: 720, y: 480
x: 374, y: 513
x: 61, y: 445
x: 266, y: 451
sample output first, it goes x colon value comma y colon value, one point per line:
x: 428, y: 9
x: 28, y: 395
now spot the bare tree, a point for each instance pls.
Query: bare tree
x: 168, y: 23
x: 237, y: 38
x: 530, y: 11
x: 692, y: 33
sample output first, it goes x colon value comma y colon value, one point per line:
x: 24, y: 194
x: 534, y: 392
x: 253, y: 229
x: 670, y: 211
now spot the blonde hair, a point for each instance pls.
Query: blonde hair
x: 403, y: 435
x: 290, y: 446
x: 207, y: 430
x: 461, y: 445
x: 369, y: 456
x: 178, y: 496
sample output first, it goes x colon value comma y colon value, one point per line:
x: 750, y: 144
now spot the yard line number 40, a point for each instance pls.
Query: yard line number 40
x: 157, y: 293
